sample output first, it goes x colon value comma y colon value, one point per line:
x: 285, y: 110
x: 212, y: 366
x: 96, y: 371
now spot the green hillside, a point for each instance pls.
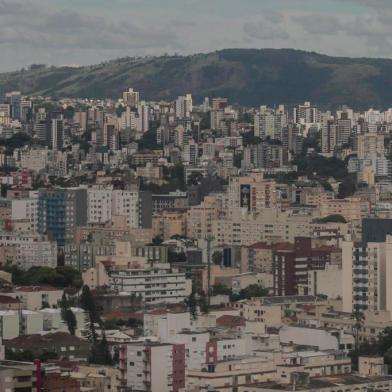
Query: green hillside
x: 245, y: 76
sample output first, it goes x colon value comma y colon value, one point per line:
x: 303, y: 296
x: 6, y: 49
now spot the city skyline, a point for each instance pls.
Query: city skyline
x: 88, y: 32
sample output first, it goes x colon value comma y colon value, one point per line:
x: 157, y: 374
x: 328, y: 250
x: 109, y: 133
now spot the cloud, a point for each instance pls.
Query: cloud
x: 71, y: 29
x: 319, y: 24
x: 91, y: 31
x: 268, y: 27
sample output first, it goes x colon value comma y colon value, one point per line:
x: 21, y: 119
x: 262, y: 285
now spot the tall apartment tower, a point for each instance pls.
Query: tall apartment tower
x: 184, y: 106
x: 131, y: 98
x: 57, y: 133
x: 60, y: 211
x: 365, y: 280
x: 14, y: 98
x: 306, y: 114
x: 328, y: 137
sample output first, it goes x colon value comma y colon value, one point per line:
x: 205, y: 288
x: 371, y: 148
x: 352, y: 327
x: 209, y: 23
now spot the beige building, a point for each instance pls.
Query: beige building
x: 350, y: 208
x: 36, y: 297
x: 314, y: 196
x: 150, y: 172
x: 366, y: 282
x: 217, y: 274
x: 97, y: 378
x: 253, y: 193
x: 167, y: 223
x: 324, y: 316
x: 257, y: 258
x: 277, y: 367
x: 370, y: 145
x: 271, y: 226
x: 255, y: 310
x: 200, y: 218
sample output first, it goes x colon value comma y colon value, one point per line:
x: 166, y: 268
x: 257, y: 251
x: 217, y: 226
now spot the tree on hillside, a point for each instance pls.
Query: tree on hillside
x: 192, y: 305
x: 68, y: 315
x: 88, y: 304
x: 100, y: 352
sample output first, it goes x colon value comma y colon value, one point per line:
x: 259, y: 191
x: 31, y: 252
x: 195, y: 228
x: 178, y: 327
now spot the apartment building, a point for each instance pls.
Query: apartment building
x: 351, y: 208
x: 29, y: 249
x: 200, y: 218
x: 60, y: 211
x: 155, y: 367
x: 169, y: 223
x: 99, y: 204
x: 155, y: 284
x: 364, y: 276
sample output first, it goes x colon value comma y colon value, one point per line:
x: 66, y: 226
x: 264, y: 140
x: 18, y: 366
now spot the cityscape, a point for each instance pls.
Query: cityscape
x: 196, y: 196
x: 194, y: 246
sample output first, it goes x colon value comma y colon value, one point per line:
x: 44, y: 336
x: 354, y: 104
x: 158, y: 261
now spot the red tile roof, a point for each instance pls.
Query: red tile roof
x: 230, y: 321
x: 25, y: 341
x: 5, y: 299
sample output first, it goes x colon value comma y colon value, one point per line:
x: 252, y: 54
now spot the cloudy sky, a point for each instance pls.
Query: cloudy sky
x: 78, y: 32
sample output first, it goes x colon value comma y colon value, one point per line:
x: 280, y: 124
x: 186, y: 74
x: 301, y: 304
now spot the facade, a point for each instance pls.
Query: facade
x: 60, y: 211
x: 364, y: 276
x: 62, y: 344
x: 29, y: 250
x: 16, y: 376
x: 155, y: 367
x: 99, y: 204
x: 155, y: 284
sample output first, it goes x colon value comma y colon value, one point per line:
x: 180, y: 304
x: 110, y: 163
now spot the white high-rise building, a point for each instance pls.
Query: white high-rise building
x: 364, y: 268
x: 99, y: 205
x: 142, y: 122
x: 26, y: 210
x: 131, y: 98
x: 57, y: 134
x: 306, y: 114
x: 126, y: 203
x: 184, y: 106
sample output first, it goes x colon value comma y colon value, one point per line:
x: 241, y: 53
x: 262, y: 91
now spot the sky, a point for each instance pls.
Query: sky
x: 81, y: 32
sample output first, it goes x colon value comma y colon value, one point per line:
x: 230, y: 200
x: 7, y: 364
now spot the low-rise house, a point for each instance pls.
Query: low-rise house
x: 62, y: 344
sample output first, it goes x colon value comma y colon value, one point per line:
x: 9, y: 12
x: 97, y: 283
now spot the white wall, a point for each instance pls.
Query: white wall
x: 308, y: 336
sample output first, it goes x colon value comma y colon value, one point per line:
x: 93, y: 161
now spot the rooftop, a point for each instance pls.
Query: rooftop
x: 34, y: 340
x: 291, y: 299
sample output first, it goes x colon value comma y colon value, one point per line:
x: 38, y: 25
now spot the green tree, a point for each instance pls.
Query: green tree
x: 157, y: 240
x: 347, y: 187
x: 69, y: 112
x: 35, y: 276
x: 67, y: 314
x: 238, y: 157
x: 100, y: 352
x: 252, y: 291
x: 70, y: 320
x: 249, y: 138
x: 217, y: 257
x: 192, y: 305
x: 221, y: 289
x: 321, y: 166
x: 336, y: 218
x: 203, y: 303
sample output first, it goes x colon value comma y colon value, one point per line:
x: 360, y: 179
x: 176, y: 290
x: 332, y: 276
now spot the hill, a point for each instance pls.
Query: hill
x: 245, y: 76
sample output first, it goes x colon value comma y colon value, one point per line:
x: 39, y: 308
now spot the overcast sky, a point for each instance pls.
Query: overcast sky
x: 78, y: 32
